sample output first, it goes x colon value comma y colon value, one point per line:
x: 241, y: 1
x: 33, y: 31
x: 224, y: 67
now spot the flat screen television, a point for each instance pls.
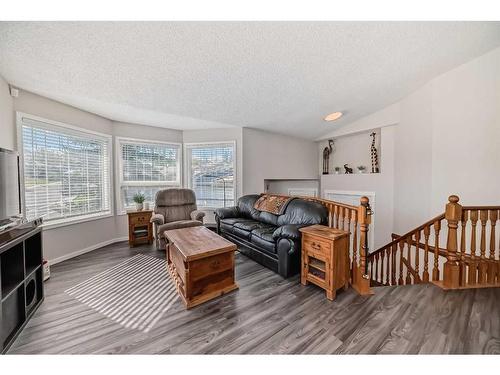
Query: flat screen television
x: 10, y: 198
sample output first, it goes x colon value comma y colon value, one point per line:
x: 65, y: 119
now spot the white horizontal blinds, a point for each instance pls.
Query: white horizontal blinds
x: 66, y: 172
x: 146, y: 168
x: 211, y: 173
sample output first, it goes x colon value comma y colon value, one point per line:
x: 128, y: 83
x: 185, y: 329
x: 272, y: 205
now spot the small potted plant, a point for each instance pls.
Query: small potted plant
x: 361, y: 169
x: 337, y: 170
x: 139, y: 199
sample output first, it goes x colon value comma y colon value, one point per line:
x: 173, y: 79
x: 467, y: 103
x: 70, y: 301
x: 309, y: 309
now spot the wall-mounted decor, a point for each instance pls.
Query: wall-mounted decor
x: 348, y: 170
x: 374, y: 154
x: 327, y: 151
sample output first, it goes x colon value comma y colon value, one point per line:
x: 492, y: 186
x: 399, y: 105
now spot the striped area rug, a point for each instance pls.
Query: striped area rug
x: 134, y: 293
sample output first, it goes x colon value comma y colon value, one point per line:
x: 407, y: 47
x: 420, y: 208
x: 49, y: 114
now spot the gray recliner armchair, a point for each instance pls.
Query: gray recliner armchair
x: 174, y: 208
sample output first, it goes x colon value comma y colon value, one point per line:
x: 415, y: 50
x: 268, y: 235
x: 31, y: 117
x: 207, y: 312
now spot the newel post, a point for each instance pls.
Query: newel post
x: 453, y: 213
x: 361, y: 278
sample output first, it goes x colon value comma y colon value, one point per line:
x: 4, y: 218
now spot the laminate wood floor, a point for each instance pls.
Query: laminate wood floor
x: 267, y: 315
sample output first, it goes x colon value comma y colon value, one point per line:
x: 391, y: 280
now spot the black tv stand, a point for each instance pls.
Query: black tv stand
x: 21, y: 280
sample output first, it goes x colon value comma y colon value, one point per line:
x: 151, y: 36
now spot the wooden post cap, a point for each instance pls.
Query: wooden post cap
x: 451, y: 199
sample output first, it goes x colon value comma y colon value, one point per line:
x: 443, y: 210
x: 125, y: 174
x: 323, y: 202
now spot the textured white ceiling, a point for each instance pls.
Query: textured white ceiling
x: 280, y: 76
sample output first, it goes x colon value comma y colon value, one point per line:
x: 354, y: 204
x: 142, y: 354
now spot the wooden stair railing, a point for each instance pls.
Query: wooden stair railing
x: 416, y: 256
x: 356, y: 220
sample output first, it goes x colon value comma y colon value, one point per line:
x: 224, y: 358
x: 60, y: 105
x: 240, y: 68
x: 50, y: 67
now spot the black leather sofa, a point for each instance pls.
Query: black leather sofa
x: 271, y: 240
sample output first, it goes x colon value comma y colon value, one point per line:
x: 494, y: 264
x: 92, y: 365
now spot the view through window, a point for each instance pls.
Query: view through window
x: 211, y: 173
x: 147, y: 167
x: 66, y: 172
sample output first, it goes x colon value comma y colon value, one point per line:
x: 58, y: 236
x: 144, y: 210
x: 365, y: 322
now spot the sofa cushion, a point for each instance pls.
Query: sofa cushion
x: 265, y: 233
x: 301, y: 211
x: 233, y: 220
x: 245, y: 206
x: 263, y: 238
x: 249, y: 225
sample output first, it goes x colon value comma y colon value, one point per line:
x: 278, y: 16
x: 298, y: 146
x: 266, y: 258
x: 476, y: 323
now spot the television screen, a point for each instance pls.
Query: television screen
x: 10, y: 204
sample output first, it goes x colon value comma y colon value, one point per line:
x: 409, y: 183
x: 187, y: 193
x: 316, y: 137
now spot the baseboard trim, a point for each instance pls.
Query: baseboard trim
x: 85, y: 250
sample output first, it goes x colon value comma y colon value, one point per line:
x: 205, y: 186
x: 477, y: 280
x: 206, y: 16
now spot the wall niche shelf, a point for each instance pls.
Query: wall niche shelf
x: 293, y: 186
x: 21, y: 284
x: 354, y: 150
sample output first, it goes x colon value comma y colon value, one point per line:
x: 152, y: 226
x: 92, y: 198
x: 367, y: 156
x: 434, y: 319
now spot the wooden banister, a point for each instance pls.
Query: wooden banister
x: 463, y: 268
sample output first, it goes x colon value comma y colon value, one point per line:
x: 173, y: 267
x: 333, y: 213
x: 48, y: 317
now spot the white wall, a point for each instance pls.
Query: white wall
x: 466, y: 133
x: 413, y: 152
x: 447, y: 141
x: 274, y: 156
x: 7, y: 132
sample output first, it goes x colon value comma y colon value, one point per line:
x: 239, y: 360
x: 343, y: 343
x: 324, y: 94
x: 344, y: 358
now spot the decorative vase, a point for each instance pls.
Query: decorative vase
x: 146, y: 206
x: 138, y: 206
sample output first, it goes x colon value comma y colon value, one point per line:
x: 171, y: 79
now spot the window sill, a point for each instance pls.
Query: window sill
x: 53, y: 224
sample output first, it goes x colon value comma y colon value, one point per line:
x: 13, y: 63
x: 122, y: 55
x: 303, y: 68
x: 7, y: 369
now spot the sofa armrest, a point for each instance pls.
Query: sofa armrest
x: 289, y: 231
x: 197, y: 215
x: 157, y: 219
x: 227, y: 212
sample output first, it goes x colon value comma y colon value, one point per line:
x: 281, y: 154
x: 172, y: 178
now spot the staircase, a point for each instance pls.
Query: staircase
x: 469, y: 259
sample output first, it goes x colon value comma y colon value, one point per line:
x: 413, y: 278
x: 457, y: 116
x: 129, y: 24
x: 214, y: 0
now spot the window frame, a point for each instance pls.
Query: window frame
x: 56, y: 126
x: 187, y: 166
x: 120, y: 209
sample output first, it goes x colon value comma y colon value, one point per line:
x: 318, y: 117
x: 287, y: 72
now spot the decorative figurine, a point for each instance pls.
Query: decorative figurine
x: 374, y: 154
x: 347, y: 169
x: 326, y: 156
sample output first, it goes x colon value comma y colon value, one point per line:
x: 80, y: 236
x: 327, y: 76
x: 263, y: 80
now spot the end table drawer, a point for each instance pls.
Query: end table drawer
x: 140, y: 219
x: 318, y: 246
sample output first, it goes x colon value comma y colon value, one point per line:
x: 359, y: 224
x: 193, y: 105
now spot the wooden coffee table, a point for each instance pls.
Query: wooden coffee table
x: 201, y: 263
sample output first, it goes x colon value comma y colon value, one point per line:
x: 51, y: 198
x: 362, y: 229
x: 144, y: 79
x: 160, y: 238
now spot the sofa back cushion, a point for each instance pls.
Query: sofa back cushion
x: 300, y: 211
x: 175, y: 204
x: 246, y: 206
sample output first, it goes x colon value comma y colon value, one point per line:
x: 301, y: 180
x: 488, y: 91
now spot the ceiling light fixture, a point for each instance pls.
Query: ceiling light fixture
x: 333, y: 116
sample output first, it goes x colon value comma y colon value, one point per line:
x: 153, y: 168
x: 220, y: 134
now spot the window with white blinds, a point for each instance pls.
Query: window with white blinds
x: 146, y: 167
x: 211, y: 173
x: 66, y: 171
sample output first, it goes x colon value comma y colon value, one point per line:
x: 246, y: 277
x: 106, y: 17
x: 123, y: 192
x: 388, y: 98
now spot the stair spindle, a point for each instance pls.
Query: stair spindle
x: 435, y: 269
x: 417, y: 256
x: 427, y: 232
x: 387, y: 271
x: 382, y: 258
x: 394, y: 252
x: 408, y: 257
x: 483, y: 266
x: 472, y: 277
x: 401, y: 248
x: 491, y: 264
x: 463, y: 239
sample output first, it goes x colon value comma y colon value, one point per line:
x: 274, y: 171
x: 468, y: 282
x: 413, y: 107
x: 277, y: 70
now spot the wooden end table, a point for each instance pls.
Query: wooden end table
x: 140, y: 228
x: 325, y: 258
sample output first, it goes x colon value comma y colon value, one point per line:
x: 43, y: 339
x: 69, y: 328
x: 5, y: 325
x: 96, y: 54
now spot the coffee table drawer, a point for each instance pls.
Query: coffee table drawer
x: 201, y: 268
